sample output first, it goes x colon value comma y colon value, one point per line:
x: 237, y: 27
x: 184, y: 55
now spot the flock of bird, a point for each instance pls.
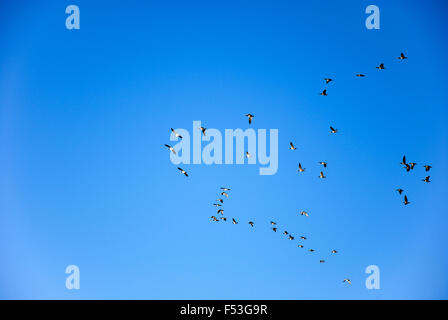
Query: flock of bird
x: 224, y: 191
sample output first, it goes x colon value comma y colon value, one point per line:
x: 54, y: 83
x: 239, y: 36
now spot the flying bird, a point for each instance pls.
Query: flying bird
x: 406, y: 200
x: 304, y: 213
x: 407, y: 167
x: 251, y: 223
x: 402, y: 56
x: 300, y: 246
x: 302, y: 237
x: 427, y: 168
x: 333, y: 130
x: 220, y: 200
x: 292, y: 146
x: 321, y: 176
x: 400, y: 190
x: 360, y: 75
x: 328, y: 80
x: 300, y: 168
x: 223, y: 218
x: 248, y: 155
x: 311, y: 250
x: 324, y: 93
x: 171, y: 148
x: 175, y: 133
x: 234, y: 221
x: 347, y: 280
x: 323, y: 163
x: 225, y: 189
x: 225, y: 194
x: 250, y: 116
x: 183, y: 171
x: 403, y: 162
x: 285, y: 233
x: 274, y: 229
x: 291, y: 237
x: 412, y: 165
x: 321, y: 261
x: 426, y: 179
x: 381, y: 66
x: 221, y: 211
x: 273, y: 223
x: 203, y: 130
x: 214, y: 218
x: 334, y: 251
x: 217, y: 205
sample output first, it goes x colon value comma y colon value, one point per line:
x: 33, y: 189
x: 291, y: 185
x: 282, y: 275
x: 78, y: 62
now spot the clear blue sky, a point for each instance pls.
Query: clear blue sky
x: 85, y: 179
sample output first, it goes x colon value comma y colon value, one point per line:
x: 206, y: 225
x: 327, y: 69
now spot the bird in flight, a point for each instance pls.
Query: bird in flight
x: 203, y: 130
x: 183, y: 171
x: 302, y: 237
x: 217, y: 205
x: 214, y: 218
x: 292, y: 146
x: 250, y: 116
x: 300, y: 246
x: 402, y: 56
x: 321, y: 261
x: 220, y: 200
x: 273, y: 223
x: 426, y: 179
x: 333, y: 130
x: 304, y: 213
x: 225, y: 194
x: 291, y: 237
x: 324, y: 93
x: 407, y: 167
x: 251, y: 223
x: 223, y: 218
x: 300, y: 168
x: 427, y: 168
x: 175, y: 133
x: 347, y: 280
x: 323, y: 163
x: 360, y: 75
x: 225, y: 189
x: 321, y: 176
x: 403, y: 162
x: 406, y: 202
x: 234, y: 221
x: 412, y: 165
x: 400, y: 190
x: 285, y: 233
x: 248, y: 155
x: 328, y: 80
x: 334, y: 251
x: 171, y: 148
x: 274, y: 229
x: 220, y: 211
x: 311, y: 250
x: 381, y: 66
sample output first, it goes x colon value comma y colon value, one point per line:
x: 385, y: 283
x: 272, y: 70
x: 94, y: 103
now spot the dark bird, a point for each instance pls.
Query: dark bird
x: 360, y: 75
x: 427, y: 168
x: 302, y: 237
x: 321, y: 176
x: 412, y: 165
x: 304, y: 213
x: 250, y: 116
x: 217, y: 205
x: 225, y: 189
x: 220, y: 200
x: 274, y: 229
x: 426, y: 179
x: 300, y: 246
x: 324, y: 93
x: 311, y: 250
x: 273, y: 223
x: 347, y: 280
x: 223, y: 218
x: 234, y: 221
x: 402, y: 56
x: 300, y: 168
x: 321, y: 261
x: 203, y: 130
x: 408, y: 167
x: 406, y: 200
x: 328, y: 80
x: 225, y: 194
x: 334, y: 251
x: 323, y: 163
x: 248, y: 155
x: 400, y: 190
x: 381, y: 66
x: 291, y: 237
x: 183, y: 171
x: 333, y: 130
x: 171, y: 148
x: 285, y: 233
x: 175, y: 133
x: 214, y: 218
x: 292, y: 146
x: 251, y: 223
x: 220, y: 211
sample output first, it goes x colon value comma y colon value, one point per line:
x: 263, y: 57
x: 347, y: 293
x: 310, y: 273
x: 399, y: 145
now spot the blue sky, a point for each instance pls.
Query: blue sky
x: 85, y: 179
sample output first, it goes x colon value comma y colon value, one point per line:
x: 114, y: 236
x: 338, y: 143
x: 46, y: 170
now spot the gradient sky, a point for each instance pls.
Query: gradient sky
x: 85, y: 179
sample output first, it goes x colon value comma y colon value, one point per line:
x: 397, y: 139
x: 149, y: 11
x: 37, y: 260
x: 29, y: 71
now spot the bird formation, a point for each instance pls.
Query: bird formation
x: 408, y: 166
x: 224, y: 192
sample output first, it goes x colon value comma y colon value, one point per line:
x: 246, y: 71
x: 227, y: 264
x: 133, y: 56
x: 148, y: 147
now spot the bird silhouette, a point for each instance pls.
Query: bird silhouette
x: 250, y: 116
x: 234, y: 221
x: 321, y: 176
x: 328, y: 80
x: 224, y: 194
x: 323, y: 163
x: 203, y: 130
x: 402, y: 56
x: 426, y: 179
x: 427, y: 168
x: 381, y: 66
x: 292, y: 146
x: 171, y: 148
x: 324, y: 93
x: 175, y: 133
x: 274, y: 229
x: 347, y: 280
x: 333, y: 130
x: 183, y: 171
x: 300, y: 168
x: 304, y: 213
x: 405, y: 201
x: 400, y: 191
x: 251, y: 223
x: 360, y: 75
